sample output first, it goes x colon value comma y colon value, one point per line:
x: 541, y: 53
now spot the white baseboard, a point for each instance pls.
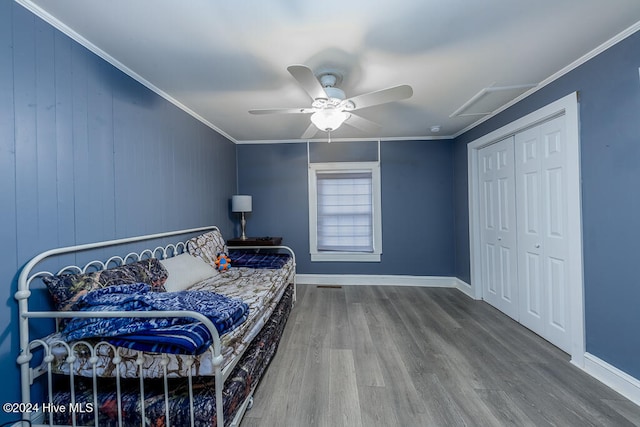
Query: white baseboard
x: 376, y: 280
x: 613, y: 377
x: 386, y: 280
x: 464, y: 287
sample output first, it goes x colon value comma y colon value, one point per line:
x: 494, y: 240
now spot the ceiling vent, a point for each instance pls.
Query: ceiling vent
x: 489, y: 99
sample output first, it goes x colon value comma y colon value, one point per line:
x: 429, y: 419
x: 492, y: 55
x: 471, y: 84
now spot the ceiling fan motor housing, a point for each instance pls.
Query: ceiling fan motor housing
x: 335, y: 95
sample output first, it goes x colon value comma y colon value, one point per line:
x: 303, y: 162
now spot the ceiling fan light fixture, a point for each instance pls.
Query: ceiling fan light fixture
x: 329, y: 119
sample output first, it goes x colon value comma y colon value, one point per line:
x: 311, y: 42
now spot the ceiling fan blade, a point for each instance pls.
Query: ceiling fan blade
x: 284, y: 111
x: 395, y: 93
x: 310, y: 132
x: 361, y: 123
x: 307, y: 80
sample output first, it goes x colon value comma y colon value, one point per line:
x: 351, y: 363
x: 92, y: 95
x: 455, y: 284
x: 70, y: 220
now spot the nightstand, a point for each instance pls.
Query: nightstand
x: 255, y: 241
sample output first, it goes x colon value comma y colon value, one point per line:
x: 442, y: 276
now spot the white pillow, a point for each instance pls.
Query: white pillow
x: 184, y: 271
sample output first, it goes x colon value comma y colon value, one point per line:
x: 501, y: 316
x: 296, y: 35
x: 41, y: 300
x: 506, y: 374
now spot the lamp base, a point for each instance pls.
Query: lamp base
x: 243, y: 223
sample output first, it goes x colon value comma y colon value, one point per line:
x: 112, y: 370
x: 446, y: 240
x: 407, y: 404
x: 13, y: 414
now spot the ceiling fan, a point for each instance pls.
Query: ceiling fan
x: 330, y: 107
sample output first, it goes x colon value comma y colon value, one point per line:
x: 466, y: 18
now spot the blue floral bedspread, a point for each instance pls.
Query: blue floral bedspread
x: 167, y: 335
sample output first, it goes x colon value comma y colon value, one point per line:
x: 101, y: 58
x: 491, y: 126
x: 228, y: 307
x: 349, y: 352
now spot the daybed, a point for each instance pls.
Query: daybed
x: 156, y: 337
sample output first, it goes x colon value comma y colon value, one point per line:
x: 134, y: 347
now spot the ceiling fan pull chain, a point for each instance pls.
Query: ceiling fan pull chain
x: 329, y: 140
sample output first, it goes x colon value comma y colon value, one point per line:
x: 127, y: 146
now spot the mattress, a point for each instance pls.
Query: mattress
x: 261, y: 289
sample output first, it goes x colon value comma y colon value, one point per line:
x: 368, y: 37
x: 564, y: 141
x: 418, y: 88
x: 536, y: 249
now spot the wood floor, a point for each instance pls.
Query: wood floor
x: 402, y: 356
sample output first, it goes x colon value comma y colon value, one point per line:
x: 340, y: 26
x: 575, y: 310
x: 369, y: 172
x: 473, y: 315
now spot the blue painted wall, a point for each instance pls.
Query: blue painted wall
x: 609, y: 93
x: 88, y: 154
x: 417, y: 202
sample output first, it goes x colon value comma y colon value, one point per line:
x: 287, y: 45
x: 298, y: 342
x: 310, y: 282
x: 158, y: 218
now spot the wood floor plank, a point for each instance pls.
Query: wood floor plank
x: 577, y: 391
x: 313, y: 310
x: 461, y: 381
x: 505, y: 411
x: 283, y: 374
x: 376, y: 407
x: 407, y: 402
x: 344, y: 404
x: 537, y: 397
x: 439, y: 402
x: 368, y: 371
x: 339, y: 324
x: 625, y: 408
x: 313, y: 396
x: 401, y: 356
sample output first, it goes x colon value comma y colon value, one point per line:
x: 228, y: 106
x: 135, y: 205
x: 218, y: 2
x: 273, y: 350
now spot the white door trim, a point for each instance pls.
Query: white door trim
x: 567, y: 106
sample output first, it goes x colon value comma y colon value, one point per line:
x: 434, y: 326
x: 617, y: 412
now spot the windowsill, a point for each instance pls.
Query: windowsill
x: 345, y: 257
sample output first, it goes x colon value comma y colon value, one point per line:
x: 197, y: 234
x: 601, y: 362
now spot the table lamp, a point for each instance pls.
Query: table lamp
x: 241, y: 203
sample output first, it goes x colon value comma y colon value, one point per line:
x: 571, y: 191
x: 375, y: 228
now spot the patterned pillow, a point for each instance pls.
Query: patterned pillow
x: 67, y: 288
x: 207, y: 246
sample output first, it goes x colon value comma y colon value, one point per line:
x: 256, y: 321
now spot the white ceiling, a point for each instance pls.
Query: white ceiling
x: 219, y: 59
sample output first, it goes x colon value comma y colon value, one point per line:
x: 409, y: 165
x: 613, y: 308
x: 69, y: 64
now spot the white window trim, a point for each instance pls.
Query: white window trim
x: 374, y: 168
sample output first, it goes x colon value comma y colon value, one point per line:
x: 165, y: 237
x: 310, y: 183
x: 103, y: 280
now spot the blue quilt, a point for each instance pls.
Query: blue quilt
x: 167, y: 335
x: 252, y: 259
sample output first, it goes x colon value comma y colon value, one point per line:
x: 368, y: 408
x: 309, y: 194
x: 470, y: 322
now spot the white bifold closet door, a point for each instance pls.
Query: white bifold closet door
x: 498, y: 226
x: 523, y: 217
x: 542, y: 230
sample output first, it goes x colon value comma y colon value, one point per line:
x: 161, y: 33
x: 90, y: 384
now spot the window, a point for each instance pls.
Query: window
x: 344, y: 211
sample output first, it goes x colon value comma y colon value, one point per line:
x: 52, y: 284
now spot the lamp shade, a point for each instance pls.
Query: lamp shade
x: 241, y: 203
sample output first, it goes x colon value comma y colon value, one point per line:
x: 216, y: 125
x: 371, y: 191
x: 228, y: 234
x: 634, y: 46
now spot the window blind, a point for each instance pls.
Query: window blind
x: 345, y: 211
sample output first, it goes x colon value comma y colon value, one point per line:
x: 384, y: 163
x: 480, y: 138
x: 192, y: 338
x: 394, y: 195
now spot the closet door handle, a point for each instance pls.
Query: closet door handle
x: 538, y: 246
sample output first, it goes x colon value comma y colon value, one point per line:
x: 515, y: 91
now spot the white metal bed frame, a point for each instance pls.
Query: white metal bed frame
x: 33, y: 411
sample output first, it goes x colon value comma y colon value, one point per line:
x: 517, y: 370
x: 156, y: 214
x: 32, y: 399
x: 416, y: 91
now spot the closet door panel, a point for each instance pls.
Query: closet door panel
x: 506, y: 279
x: 542, y: 241
x: 557, y: 301
x: 531, y: 285
x: 490, y: 271
x: 555, y: 242
x: 529, y: 211
x: 498, y: 220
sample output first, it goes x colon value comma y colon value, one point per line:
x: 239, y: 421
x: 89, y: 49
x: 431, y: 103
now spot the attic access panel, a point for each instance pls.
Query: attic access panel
x: 489, y: 99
